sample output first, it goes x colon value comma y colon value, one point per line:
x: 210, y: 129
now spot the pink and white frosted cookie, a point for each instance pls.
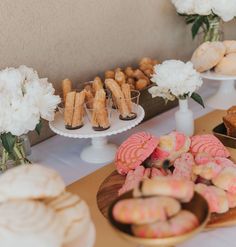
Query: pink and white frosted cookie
x: 208, y: 144
x: 181, y: 223
x: 134, y: 151
x: 226, y: 179
x: 148, y: 210
x: 231, y: 199
x: 216, y: 197
x: 224, y: 162
x: 183, y: 167
x: 203, y: 158
x: 170, y: 147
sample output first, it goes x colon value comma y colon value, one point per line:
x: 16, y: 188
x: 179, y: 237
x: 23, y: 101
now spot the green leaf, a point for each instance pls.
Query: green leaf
x: 8, y: 142
x: 198, y: 99
x: 196, y: 25
x: 206, y: 21
x: 39, y: 127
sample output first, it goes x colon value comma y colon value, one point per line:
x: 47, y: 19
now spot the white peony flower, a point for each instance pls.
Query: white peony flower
x: 24, y: 99
x: 176, y: 78
x: 202, y: 7
x: 225, y: 9
x: 184, y: 6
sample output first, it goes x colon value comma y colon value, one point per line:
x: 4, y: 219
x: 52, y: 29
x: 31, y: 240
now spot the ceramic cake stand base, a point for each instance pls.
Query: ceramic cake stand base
x: 99, y: 151
x: 226, y: 94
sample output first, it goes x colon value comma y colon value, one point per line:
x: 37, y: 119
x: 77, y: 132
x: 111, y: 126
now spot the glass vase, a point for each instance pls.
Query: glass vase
x: 18, y: 156
x: 214, y: 32
x: 184, y: 118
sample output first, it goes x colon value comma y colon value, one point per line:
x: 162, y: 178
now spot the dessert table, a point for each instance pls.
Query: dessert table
x: 62, y: 154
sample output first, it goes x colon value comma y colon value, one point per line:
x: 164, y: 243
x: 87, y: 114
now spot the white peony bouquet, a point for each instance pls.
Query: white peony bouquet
x: 206, y: 14
x: 176, y: 79
x: 25, y: 99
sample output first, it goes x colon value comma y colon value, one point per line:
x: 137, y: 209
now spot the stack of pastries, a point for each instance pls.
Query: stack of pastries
x: 201, y: 159
x: 155, y: 211
x: 230, y: 121
x: 35, y: 210
x: 219, y: 56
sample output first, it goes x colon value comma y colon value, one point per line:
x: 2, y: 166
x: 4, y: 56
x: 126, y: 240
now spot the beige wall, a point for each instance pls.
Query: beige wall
x: 80, y: 38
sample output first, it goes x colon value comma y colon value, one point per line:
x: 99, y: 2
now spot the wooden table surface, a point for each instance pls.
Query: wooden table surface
x: 88, y: 186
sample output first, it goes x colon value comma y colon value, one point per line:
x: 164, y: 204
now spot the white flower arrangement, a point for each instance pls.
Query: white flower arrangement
x: 25, y: 99
x: 206, y: 14
x: 176, y: 79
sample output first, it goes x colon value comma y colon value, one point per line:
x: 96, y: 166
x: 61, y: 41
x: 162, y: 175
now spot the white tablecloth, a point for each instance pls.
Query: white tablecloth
x: 63, y: 155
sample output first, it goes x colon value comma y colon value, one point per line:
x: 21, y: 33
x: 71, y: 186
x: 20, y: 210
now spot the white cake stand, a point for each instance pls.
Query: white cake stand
x: 100, y: 151
x: 226, y: 94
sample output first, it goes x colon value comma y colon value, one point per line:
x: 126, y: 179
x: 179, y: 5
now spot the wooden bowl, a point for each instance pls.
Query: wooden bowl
x: 198, y: 206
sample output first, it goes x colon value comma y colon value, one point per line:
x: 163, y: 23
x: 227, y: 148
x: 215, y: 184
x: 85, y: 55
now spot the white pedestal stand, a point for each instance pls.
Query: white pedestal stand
x: 100, y: 151
x: 226, y: 94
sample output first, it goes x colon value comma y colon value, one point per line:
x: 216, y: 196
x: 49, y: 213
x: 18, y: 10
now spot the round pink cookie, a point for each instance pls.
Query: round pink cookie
x: 134, y: 151
x: 203, y: 158
x: 208, y: 144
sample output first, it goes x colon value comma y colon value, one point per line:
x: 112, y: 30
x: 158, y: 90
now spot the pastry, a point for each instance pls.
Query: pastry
x: 231, y: 199
x: 230, y: 124
x: 216, y: 197
x: 97, y: 84
x: 145, y: 210
x: 183, y: 167
x: 230, y: 46
x: 89, y: 98
x: 141, y: 84
x: 207, y: 171
x: 66, y: 88
x: 132, y: 152
x: 120, y: 101
x: 134, y: 177
x: 78, y: 116
x: 179, y: 224
x: 125, y: 88
x: 120, y: 77
x: 227, y: 65
x: 31, y: 182
x: 170, y: 147
x: 138, y: 74
x: 27, y: 223
x: 74, y: 215
x: 203, y: 158
x: 100, y: 119
x: 208, y: 55
x: 178, y: 188
x: 226, y: 179
x: 69, y: 109
x: 131, y: 82
x: 209, y: 144
x: 109, y: 74
x: 129, y: 72
x: 232, y: 110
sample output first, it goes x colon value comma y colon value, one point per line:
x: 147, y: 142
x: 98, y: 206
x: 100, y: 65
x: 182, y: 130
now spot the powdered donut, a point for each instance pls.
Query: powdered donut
x: 134, y: 151
x: 30, y: 182
x: 208, y: 55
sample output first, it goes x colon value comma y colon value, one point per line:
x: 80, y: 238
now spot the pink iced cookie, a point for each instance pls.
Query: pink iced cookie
x: 183, y: 167
x: 224, y: 162
x: 170, y: 147
x: 203, y: 158
x: 134, y: 151
x: 181, y: 223
x: 208, y: 144
x: 231, y: 199
x: 142, y: 211
x: 226, y: 179
x: 216, y: 197
x: 134, y: 177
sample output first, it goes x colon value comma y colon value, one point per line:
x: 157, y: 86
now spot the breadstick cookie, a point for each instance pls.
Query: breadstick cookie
x: 120, y: 77
x: 178, y: 188
x: 129, y: 72
x: 97, y: 84
x: 127, y: 93
x: 100, y: 120
x: 69, y: 109
x: 66, y: 88
x: 89, y: 98
x: 143, y: 211
x: 183, y: 222
x: 125, y: 114
x: 77, y: 121
x: 109, y: 74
